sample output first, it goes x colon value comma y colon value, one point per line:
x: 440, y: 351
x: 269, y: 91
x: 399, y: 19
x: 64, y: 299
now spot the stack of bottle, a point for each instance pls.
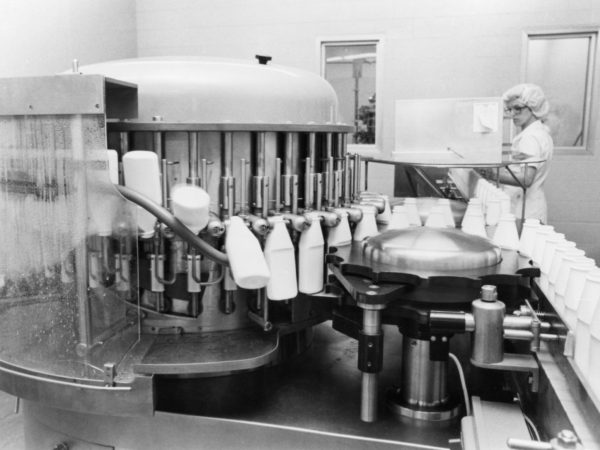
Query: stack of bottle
x: 571, y: 282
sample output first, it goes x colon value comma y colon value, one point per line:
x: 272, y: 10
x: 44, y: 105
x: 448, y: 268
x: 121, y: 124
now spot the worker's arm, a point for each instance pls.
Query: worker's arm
x: 525, y: 175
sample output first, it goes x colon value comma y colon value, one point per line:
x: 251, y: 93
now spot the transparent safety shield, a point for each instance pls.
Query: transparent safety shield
x: 68, y: 250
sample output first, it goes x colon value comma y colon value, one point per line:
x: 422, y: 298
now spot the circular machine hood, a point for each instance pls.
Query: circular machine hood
x: 430, y: 249
x: 228, y: 91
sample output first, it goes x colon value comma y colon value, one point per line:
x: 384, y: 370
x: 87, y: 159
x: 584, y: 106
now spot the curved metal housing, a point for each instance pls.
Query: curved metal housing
x: 203, y: 90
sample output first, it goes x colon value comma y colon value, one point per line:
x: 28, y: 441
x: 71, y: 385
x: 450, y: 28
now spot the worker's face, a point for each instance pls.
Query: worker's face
x: 521, y: 115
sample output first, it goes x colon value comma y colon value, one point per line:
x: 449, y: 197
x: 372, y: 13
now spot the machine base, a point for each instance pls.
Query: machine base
x: 403, y: 410
x: 310, y: 402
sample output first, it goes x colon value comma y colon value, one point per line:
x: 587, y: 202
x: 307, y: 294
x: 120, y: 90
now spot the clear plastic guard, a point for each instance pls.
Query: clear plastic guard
x: 68, y: 272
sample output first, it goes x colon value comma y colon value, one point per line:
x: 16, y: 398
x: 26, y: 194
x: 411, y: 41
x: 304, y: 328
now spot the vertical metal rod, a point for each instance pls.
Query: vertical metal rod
x: 165, y: 183
x: 227, y: 155
x: 194, y: 304
x: 227, y: 179
x: 287, y: 179
x: 243, y: 192
x: 294, y: 181
x: 81, y: 255
x: 356, y: 175
x: 158, y: 144
x: 259, y: 201
x: 308, y: 184
x: 289, y: 154
x: 193, y: 152
x: 319, y: 191
x: 277, y: 184
x: 261, y: 161
x: 204, y: 174
x: 368, y: 404
x: 347, y: 180
x: 265, y: 196
x: 312, y: 150
x: 124, y: 142
x: 330, y: 182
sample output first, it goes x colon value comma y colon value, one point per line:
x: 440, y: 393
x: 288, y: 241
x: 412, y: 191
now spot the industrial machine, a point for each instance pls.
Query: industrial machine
x: 190, y: 260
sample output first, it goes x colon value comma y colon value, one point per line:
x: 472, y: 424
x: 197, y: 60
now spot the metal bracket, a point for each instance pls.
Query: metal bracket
x: 110, y: 372
x: 514, y: 362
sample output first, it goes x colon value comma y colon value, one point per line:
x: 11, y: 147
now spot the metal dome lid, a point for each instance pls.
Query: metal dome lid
x: 430, y: 249
x: 219, y: 90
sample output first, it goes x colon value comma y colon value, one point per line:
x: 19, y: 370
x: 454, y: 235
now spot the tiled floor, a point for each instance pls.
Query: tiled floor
x: 11, y: 424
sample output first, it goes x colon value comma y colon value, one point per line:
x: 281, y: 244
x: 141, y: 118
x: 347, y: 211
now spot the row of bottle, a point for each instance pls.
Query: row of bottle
x: 571, y: 282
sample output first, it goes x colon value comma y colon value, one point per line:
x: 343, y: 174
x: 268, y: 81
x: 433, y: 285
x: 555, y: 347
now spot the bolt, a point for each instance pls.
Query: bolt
x: 567, y: 438
x: 444, y: 339
x: 370, y: 345
x: 433, y: 338
x: 371, y: 293
x: 373, y: 286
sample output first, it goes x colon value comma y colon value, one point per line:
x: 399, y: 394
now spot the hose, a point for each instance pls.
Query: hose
x: 164, y: 216
x: 462, y: 382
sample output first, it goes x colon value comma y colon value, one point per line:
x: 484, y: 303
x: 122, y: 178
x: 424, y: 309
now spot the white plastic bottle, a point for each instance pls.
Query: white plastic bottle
x: 367, y: 226
x: 246, y: 259
x: 399, y: 218
x: 190, y: 205
x: 414, y: 218
x: 279, y: 254
x: 311, y: 257
x: 141, y: 173
x: 340, y: 234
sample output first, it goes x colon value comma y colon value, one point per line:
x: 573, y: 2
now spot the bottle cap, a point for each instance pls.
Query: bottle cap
x: 489, y: 293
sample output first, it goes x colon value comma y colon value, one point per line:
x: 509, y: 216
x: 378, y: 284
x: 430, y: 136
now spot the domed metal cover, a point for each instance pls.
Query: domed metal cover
x: 430, y: 249
x: 226, y: 91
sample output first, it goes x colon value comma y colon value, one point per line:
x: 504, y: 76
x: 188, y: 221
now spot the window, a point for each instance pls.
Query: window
x: 563, y: 65
x: 351, y: 68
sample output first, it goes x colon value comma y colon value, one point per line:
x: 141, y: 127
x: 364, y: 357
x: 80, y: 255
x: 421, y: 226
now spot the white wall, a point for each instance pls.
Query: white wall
x: 41, y: 37
x: 433, y: 48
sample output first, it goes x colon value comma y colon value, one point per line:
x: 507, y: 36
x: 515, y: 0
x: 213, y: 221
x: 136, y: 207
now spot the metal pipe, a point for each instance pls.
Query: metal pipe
x: 308, y: 184
x: 243, y: 190
x: 369, y: 387
x: 357, y: 164
x: 319, y: 191
x: 277, y: 184
x: 158, y: 143
x: 124, y: 142
x: 347, y: 175
x: 193, y: 151
x: 227, y: 179
x: 173, y: 223
x: 204, y: 174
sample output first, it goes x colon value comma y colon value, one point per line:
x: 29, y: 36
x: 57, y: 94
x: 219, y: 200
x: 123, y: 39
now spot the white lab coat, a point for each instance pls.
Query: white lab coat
x: 533, y: 144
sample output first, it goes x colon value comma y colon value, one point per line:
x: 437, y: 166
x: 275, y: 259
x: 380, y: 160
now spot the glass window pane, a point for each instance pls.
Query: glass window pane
x: 351, y: 70
x: 560, y: 66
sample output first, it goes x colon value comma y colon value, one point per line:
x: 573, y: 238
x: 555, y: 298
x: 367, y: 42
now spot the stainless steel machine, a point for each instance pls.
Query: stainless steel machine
x: 190, y: 261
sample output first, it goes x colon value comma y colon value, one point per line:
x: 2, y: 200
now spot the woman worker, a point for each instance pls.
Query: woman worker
x: 528, y: 107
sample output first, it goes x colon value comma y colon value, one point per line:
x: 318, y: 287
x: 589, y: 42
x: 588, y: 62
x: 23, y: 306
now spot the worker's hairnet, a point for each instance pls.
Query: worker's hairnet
x: 530, y: 95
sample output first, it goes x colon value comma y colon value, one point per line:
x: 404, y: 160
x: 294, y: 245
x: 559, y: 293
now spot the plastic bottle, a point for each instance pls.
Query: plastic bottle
x: 414, y: 217
x: 367, y: 226
x: 506, y: 235
x: 527, y: 239
x: 386, y: 215
x: 190, y: 205
x: 246, y: 259
x: 279, y: 254
x: 340, y: 234
x: 141, y: 173
x: 446, y: 208
x: 311, y: 257
x: 399, y: 218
